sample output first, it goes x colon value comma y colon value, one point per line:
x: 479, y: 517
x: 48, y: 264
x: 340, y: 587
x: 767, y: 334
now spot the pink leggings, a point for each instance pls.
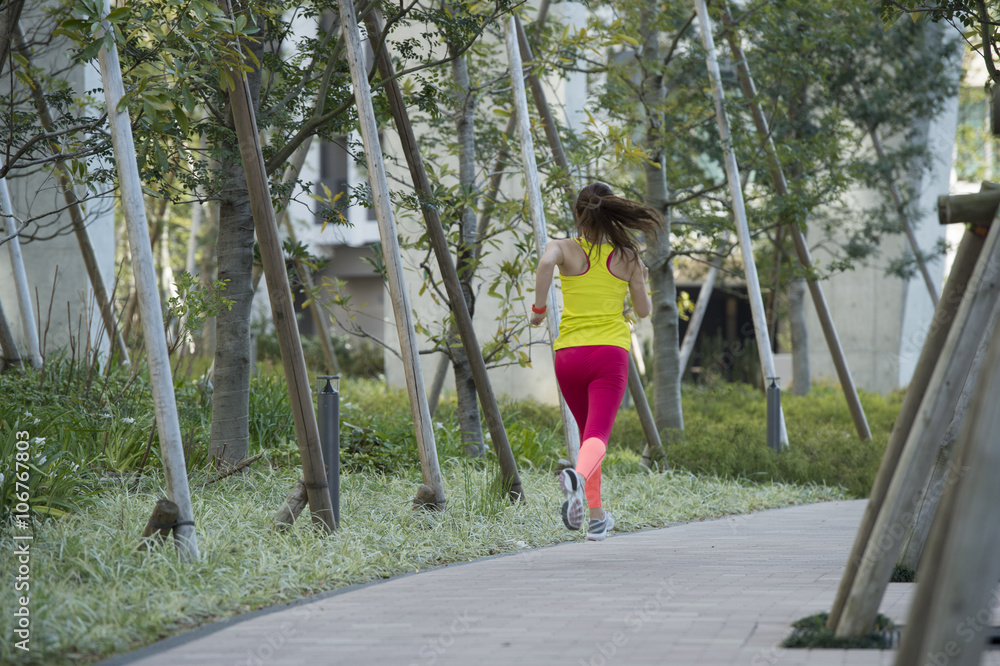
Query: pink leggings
x: 593, y: 381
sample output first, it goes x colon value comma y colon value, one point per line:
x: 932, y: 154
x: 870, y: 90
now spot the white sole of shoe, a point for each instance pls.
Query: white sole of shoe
x: 571, y: 484
x: 602, y: 535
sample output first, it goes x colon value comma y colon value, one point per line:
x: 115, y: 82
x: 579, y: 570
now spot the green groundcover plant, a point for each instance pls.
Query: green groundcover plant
x: 95, y: 474
x: 93, y: 594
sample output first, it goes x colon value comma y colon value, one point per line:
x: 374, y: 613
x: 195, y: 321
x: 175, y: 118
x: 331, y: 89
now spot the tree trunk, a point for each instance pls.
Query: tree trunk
x: 9, y: 354
x: 801, y: 373
x: 230, y: 438
x: 10, y: 14
x: 666, y: 358
x: 469, y: 421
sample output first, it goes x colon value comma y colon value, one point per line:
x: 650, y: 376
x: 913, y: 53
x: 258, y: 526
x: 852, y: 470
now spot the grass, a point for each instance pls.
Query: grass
x: 93, y: 594
x: 811, y: 632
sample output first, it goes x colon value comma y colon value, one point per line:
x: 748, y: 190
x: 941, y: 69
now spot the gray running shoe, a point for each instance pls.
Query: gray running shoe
x: 571, y: 483
x: 597, y: 530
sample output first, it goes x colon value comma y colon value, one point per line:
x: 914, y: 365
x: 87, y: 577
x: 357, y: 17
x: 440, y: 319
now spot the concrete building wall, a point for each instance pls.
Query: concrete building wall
x: 36, y: 193
x: 883, y: 320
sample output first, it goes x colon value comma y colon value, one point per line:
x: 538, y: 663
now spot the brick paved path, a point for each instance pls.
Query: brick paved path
x: 716, y: 592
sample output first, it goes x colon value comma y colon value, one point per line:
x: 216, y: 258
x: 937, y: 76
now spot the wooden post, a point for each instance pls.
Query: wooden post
x: 390, y: 250
x: 694, y: 323
x: 957, y: 587
x: 536, y: 211
x: 20, y: 278
x: 798, y: 238
x: 975, y: 314
x: 511, y: 480
x: 978, y: 208
x: 157, y: 359
x: 942, y: 473
x: 317, y: 308
x: 291, y: 507
x: 559, y: 155
x: 280, y: 295
x: 161, y: 522
x: 739, y: 210
x: 76, y: 216
x: 966, y: 259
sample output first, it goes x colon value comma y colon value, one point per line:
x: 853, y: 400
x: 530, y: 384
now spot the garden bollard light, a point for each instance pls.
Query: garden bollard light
x: 774, y: 415
x: 329, y: 437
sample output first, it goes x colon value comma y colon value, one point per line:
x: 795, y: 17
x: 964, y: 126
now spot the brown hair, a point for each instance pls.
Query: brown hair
x: 599, y: 213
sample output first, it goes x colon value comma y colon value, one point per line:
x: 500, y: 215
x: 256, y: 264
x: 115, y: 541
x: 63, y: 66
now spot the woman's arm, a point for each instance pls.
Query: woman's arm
x: 551, y: 258
x: 637, y: 288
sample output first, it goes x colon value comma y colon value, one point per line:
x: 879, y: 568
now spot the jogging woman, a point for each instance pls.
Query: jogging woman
x: 596, y: 270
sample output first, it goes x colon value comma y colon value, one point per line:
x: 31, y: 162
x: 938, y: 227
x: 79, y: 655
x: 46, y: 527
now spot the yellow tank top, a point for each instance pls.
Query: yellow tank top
x: 593, y: 304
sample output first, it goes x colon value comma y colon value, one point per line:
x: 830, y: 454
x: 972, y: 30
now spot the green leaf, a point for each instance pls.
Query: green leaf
x: 117, y: 15
x: 123, y: 103
x: 90, y: 51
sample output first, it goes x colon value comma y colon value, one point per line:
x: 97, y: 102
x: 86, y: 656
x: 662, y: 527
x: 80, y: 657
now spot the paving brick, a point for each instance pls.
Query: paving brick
x: 709, y: 593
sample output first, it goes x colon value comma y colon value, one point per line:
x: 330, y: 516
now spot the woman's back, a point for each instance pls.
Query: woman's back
x: 594, y: 284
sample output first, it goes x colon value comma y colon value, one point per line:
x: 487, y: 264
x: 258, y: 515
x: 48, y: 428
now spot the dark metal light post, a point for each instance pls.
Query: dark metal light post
x: 329, y: 436
x: 774, y: 414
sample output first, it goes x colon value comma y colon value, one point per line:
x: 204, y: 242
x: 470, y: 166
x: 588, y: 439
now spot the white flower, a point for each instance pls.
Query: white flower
x: 2, y: 477
x: 38, y: 440
x: 28, y: 414
x: 106, y: 415
x: 128, y: 419
x: 36, y: 421
x: 41, y: 459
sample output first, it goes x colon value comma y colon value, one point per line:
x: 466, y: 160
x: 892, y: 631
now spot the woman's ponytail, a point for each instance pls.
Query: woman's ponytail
x: 601, y: 214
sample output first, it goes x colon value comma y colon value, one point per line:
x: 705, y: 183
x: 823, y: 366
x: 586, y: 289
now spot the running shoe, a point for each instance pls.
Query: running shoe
x: 597, y: 530
x: 571, y: 483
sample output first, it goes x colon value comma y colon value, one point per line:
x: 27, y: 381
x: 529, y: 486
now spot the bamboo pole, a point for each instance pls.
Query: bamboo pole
x: 956, y: 593
x: 20, y: 279
x: 966, y: 259
x: 739, y: 210
x: 157, y: 359
x: 571, y: 431
x: 390, y: 250
x: 280, y: 295
x: 798, y: 238
x: 498, y: 435
x: 317, y: 308
x: 897, y: 198
x: 559, y: 156
x: 76, y: 215
x: 977, y: 310
x: 698, y: 316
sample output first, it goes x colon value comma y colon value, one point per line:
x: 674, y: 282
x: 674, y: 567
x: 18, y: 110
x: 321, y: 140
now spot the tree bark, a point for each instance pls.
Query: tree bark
x: 801, y: 373
x: 9, y: 17
x: 280, y: 294
x: 10, y: 354
x: 666, y: 359
x: 230, y: 437
x: 469, y: 422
